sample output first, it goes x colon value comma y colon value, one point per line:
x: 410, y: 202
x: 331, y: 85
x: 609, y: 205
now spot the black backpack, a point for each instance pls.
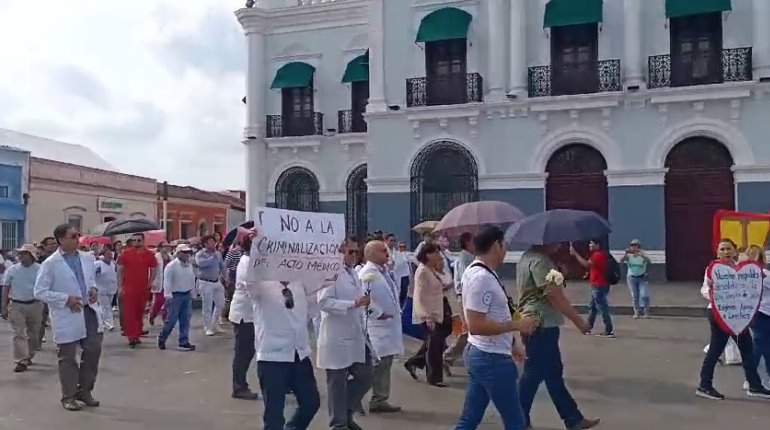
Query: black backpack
x: 613, y: 270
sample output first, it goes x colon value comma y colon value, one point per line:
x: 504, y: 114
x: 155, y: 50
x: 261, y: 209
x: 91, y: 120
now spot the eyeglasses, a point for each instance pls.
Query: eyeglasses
x: 288, y: 297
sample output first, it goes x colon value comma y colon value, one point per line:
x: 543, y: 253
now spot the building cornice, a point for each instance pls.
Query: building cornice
x: 191, y: 202
x: 752, y: 173
x: 64, y: 187
x: 635, y: 177
x: 512, y: 181
x: 303, y: 18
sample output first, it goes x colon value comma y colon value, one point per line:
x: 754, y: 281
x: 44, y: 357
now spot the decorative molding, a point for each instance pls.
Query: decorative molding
x: 752, y: 173
x: 423, y: 113
x: 388, y: 185
x: 351, y: 139
x: 296, y: 162
x: 576, y: 102
x: 407, y: 168
x: 304, y: 18
x: 512, y: 181
x: 430, y: 5
x: 342, y: 181
x: 700, y: 93
x: 295, y: 143
x: 333, y: 196
x: 724, y: 132
x: 635, y: 177
x: 591, y: 136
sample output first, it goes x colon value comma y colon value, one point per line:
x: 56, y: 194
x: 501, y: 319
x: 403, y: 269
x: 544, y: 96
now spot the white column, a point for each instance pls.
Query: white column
x: 517, y: 85
x: 377, y: 101
x: 496, y: 50
x: 761, y: 61
x: 632, y: 53
x: 256, y: 90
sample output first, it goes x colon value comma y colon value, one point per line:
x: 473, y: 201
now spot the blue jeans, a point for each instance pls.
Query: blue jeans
x: 599, y: 303
x: 179, y: 309
x: 760, y: 329
x: 276, y: 379
x: 544, y: 365
x: 640, y: 296
x: 490, y: 377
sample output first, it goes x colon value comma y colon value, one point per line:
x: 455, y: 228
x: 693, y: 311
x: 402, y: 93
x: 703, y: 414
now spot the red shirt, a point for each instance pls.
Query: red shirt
x: 136, y: 269
x: 597, y: 273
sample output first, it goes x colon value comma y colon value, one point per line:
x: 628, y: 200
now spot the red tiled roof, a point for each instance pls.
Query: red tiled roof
x: 192, y: 193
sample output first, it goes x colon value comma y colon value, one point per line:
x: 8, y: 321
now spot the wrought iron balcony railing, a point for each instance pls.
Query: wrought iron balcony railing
x: 444, y: 90
x: 350, y: 122
x: 280, y: 126
x: 736, y: 66
x: 543, y: 83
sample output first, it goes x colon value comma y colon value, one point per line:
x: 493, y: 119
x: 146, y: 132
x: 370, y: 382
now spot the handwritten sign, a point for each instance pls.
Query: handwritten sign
x: 735, y: 294
x: 296, y: 246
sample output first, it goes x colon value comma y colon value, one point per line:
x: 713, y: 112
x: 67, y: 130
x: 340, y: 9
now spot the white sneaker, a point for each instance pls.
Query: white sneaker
x: 210, y: 332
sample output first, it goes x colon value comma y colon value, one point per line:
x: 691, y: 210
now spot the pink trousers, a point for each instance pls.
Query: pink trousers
x: 158, y: 306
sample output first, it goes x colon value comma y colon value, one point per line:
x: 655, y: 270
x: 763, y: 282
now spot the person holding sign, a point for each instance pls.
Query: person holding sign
x: 729, y: 289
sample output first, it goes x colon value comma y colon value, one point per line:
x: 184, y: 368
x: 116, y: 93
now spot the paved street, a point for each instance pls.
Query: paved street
x: 643, y: 379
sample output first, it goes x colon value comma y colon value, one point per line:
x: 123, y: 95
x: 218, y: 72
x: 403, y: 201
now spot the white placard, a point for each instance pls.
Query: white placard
x: 735, y: 294
x: 296, y: 246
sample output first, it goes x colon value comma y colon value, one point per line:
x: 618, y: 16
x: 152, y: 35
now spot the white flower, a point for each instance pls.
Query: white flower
x: 554, y: 276
x: 369, y: 278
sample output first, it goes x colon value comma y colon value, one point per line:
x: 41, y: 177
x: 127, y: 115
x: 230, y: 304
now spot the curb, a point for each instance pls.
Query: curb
x: 656, y: 311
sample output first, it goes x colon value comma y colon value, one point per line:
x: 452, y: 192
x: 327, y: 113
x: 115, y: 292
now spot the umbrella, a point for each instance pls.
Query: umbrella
x: 556, y: 226
x: 129, y: 226
x: 232, y: 235
x: 87, y: 239
x: 425, y: 227
x: 469, y: 216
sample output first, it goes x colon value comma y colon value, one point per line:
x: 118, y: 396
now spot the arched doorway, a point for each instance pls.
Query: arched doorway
x: 576, y: 180
x: 356, y: 206
x: 699, y: 182
x: 443, y: 175
x: 297, y: 189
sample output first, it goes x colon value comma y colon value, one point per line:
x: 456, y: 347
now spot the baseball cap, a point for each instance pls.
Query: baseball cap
x: 635, y: 242
x: 183, y: 248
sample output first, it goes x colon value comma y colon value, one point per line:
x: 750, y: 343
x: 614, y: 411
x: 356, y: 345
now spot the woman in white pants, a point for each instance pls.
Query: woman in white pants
x: 107, y: 283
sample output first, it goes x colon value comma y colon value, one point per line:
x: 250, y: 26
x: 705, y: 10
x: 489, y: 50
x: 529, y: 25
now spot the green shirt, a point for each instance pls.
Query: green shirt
x: 637, y: 265
x: 530, y: 278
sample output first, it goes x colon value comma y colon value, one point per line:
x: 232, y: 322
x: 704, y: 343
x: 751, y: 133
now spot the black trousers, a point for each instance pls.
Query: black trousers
x: 276, y: 379
x: 403, y: 291
x: 717, y: 346
x: 243, y: 354
x: 431, y: 354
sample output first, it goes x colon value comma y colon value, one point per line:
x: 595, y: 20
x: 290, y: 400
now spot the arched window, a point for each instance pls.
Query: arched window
x: 356, y: 211
x: 297, y: 189
x: 443, y: 175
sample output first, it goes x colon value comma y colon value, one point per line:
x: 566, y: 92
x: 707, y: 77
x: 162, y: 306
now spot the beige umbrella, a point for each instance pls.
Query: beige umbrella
x: 425, y: 227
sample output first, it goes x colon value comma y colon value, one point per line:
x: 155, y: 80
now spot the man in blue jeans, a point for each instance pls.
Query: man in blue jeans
x: 178, y: 283
x: 600, y: 287
x: 545, y: 299
x: 489, y: 357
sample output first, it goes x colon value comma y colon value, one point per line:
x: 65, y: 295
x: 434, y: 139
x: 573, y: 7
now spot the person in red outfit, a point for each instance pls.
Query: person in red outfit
x: 136, y: 268
x: 600, y: 287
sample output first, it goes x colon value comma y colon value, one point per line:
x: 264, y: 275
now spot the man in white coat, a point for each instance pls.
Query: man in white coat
x: 383, y: 322
x: 342, y: 346
x: 66, y: 283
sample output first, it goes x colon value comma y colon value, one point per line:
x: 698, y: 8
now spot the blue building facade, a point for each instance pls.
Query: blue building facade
x: 14, y: 192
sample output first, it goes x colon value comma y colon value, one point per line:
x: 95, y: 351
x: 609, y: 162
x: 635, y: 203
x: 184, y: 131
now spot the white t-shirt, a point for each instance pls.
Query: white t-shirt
x: 482, y: 293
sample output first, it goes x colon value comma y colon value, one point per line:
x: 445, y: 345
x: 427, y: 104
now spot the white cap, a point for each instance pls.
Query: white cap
x: 183, y: 248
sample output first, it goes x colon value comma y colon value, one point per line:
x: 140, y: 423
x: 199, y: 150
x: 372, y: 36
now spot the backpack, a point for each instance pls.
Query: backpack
x: 613, y: 270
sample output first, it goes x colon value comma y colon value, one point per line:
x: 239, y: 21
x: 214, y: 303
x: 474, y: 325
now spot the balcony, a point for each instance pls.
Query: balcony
x: 736, y: 66
x: 541, y: 83
x: 446, y: 90
x: 311, y: 126
x: 347, y: 122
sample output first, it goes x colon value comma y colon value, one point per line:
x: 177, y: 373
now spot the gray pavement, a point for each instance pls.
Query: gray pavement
x: 642, y: 380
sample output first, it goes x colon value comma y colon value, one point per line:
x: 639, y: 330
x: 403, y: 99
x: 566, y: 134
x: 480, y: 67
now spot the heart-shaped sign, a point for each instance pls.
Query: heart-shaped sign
x: 735, y: 294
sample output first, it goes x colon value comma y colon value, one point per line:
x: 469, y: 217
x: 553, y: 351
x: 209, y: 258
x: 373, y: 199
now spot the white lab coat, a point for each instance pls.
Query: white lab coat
x: 55, y: 283
x: 342, y: 337
x: 385, y: 335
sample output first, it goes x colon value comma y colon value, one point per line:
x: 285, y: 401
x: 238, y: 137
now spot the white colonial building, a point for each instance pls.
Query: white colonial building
x: 654, y: 113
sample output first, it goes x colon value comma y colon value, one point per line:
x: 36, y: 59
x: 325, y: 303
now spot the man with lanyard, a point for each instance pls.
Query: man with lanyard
x: 136, y: 267
x: 20, y: 307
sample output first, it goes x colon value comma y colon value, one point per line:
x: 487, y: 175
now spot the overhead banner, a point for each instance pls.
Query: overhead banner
x: 297, y: 246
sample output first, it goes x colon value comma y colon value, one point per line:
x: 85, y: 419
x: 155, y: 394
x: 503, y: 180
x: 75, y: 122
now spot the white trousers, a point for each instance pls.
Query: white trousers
x: 213, y: 297
x: 105, y: 302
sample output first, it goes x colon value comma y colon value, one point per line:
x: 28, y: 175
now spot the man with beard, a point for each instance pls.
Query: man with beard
x: 136, y: 268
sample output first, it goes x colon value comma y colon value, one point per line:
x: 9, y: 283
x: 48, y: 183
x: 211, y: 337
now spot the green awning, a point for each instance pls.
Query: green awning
x: 357, y: 70
x: 444, y: 24
x: 678, y: 8
x: 293, y: 75
x: 559, y: 13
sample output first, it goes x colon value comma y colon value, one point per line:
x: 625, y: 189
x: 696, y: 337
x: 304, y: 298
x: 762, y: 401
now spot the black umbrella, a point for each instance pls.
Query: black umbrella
x: 556, y: 226
x: 128, y: 226
x: 232, y: 234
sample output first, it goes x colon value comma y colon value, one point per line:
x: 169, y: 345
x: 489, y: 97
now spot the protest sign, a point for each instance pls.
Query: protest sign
x: 735, y: 294
x: 296, y: 246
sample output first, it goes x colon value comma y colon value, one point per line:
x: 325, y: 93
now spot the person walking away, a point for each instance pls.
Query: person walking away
x: 66, y: 283
x: 546, y: 301
x: 162, y: 258
x: 136, y: 268
x: 464, y: 259
x: 48, y: 247
x: 178, y: 284
x: 342, y: 345
x: 489, y: 358
x: 725, y: 254
x: 637, y: 262
x: 432, y: 310
x: 760, y: 327
x: 106, y: 278
x: 242, y: 318
x: 597, y: 264
x: 211, y: 280
x: 21, y: 309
